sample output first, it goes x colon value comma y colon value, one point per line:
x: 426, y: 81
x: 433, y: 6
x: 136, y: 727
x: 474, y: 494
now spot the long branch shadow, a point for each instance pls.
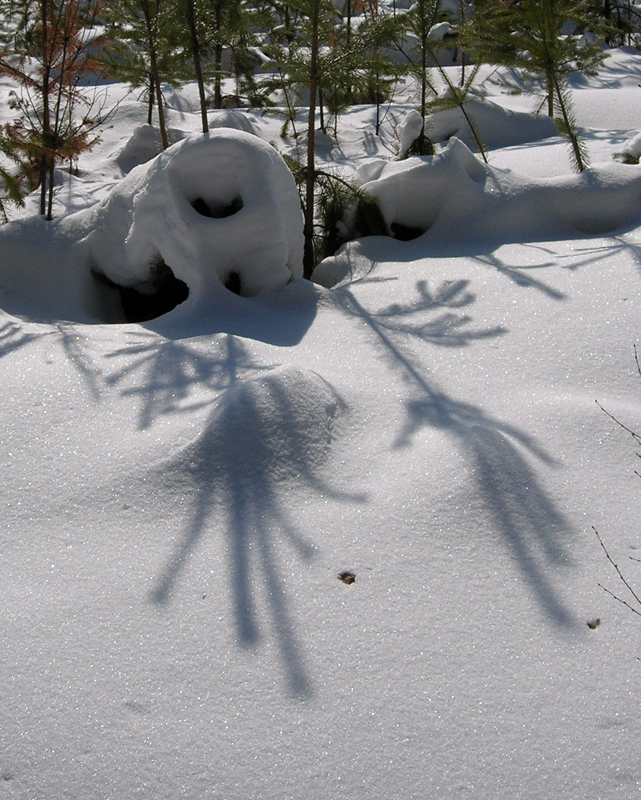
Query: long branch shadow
x: 265, y: 434
x: 268, y: 434
x: 12, y: 337
x: 166, y: 373
x: 75, y: 344
x: 524, y: 515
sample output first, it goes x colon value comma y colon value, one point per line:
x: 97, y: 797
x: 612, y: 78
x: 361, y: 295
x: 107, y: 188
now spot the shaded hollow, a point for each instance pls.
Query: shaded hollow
x: 404, y: 233
x: 157, y: 296
x: 233, y: 282
x: 217, y: 210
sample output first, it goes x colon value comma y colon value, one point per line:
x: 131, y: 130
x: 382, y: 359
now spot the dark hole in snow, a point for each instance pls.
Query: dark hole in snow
x: 233, y: 282
x: 404, y: 233
x: 217, y: 211
x: 162, y: 293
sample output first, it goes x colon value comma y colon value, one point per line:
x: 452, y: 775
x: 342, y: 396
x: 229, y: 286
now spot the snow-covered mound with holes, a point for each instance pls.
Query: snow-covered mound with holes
x: 441, y: 193
x: 218, y: 209
x: 439, y: 197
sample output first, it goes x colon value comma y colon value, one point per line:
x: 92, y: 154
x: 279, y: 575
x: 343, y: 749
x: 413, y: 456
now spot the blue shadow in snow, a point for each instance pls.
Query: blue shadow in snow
x: 525, y: 516
x: 260, y: 439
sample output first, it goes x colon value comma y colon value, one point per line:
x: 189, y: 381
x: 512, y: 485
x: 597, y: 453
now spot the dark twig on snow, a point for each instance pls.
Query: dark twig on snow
x: 622, y: 578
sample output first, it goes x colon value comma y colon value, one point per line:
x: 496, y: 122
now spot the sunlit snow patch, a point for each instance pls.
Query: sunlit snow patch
x: 218, y: 210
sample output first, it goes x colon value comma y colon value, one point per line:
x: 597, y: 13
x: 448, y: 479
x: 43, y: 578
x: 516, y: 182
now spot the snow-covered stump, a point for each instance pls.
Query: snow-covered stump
x: 214, y: 212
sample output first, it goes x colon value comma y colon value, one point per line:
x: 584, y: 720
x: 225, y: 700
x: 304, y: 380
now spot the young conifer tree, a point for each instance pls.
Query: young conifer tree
x: 144, y: 52
x: 418, y: 22
x: 49, y: 47
x: 531, y: 37
x: 372, y: 44
x: 303, y: 68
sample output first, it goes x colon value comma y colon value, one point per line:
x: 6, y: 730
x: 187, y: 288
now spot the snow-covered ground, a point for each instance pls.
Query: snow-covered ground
x: 179, y: 497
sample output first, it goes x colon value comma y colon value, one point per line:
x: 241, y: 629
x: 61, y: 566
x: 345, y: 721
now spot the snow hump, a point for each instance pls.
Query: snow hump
x: 496, y: 126
x: 263, y: 431
x: 456, y: 197
x: 220, y: 209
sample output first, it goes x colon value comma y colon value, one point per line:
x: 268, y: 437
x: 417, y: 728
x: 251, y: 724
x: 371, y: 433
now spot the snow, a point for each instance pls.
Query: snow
x: 180, y: 496
x: 220, y: 204
x: 453, y: 190
x: 632, y: 147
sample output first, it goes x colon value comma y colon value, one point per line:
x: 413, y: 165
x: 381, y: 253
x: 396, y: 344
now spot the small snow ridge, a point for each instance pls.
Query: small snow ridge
x: 497, y: 126
x: 230, y: 118
x: 264, y: 430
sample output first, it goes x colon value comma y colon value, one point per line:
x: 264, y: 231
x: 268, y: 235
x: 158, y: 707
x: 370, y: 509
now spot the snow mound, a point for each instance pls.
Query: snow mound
x: 217, y: 209
x: 409, y: 130
x: 229, y: 118
x: 632, y: 147
x: 263, y: 431
x: 145, y: 143
x: 497, y: 126
x: 453, y: 195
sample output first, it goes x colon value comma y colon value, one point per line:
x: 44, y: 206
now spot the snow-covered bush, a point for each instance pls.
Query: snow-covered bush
x: 220, y: 209
x: 453, y: 191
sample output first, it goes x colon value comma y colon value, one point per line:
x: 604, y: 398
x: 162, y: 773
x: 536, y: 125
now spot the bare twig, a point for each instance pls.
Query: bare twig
x: 621, y: 576
x: 635, y: 436
x: 619, y: 600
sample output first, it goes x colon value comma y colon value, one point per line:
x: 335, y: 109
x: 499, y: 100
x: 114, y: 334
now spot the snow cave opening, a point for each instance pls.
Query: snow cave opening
x: 145, y: 301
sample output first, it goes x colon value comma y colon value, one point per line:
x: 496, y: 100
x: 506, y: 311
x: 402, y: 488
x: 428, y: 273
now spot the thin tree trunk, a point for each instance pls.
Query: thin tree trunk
x: 218, y: 58
x: 153, y: 58
x: 150, y: 104
x: 461, y: 26
x: 310, y: 178
x: 195, y: 53
x: 46, y: 114
x: 159, y: 101
x: 348, y: 32
x: 569, y: 126
x: 52, y: 165
x: 549, y: 83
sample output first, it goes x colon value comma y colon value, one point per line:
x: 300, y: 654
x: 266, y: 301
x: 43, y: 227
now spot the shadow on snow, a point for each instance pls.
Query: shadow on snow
x: 525, y: 516
x: 264, y: 435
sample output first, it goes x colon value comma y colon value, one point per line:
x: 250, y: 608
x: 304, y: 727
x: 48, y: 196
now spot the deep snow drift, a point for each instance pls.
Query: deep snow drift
x: 179, y: 497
